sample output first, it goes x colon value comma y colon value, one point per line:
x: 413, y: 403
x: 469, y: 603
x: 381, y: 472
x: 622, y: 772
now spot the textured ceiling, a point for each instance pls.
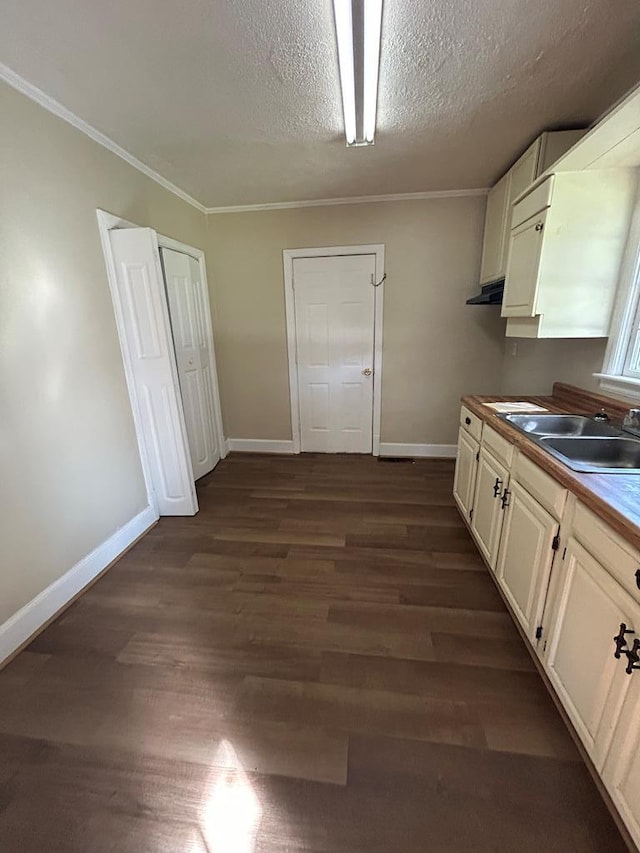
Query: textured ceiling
x: 239, y: 102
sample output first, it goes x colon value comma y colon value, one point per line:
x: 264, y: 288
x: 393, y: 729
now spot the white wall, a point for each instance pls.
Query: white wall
x: 538, y: 364
x: 70, y: 473
x: 435, y: 347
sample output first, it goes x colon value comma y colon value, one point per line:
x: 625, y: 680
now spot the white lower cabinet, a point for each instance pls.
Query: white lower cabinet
x: 486, y: 521
x: 621, y: 773
x: 587, y: 613
x: 526, y: 556
x: 464, y: 482
x: 591, y: 683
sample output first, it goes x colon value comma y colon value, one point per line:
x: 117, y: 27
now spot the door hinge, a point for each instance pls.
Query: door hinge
x: 556, y: 542
x: 478, y: 456
x: 539, y: 632
x: 470, y: 515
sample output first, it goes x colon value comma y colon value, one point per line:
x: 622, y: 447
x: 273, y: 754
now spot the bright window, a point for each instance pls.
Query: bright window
x: 621, y: 369
x: 631, y: 365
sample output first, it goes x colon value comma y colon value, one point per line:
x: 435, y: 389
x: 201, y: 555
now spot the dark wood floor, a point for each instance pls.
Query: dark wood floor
x: 318, y: 661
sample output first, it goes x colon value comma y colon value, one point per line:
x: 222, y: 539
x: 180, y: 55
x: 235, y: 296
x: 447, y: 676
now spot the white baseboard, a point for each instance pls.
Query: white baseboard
x: 435, y: 451
x: 265, y: 445
x: 259, y: 445
x: 24, y: 624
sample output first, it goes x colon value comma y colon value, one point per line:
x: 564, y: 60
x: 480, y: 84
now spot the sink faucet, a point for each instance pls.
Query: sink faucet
x: 631, y: 422
x: 601, y: 416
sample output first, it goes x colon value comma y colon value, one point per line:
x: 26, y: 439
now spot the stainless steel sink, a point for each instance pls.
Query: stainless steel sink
x: 560, y: 425
x: 581, y: 443
x: 611, y: 455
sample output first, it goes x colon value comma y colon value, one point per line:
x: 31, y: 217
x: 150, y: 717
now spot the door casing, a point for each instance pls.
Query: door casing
x: 288, y: 257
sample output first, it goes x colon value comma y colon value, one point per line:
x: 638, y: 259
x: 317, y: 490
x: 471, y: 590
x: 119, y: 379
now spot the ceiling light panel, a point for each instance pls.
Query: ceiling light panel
x: 358, y: 30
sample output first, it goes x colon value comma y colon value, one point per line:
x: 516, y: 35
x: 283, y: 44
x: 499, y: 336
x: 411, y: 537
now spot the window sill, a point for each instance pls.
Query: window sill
x: 622, y: 385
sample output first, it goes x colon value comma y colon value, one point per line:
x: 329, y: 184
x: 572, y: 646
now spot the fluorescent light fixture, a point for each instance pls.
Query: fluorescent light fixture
x: 344, y: 32
x: 372, y: 29
x: 358, y: 28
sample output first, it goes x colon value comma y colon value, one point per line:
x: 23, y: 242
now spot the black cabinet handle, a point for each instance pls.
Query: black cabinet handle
x: 638, y: 578
x: 505, y: 498
x: 633, y: 657
x: 621, y: 640
x: 467, y: 421
x: 496, y: 487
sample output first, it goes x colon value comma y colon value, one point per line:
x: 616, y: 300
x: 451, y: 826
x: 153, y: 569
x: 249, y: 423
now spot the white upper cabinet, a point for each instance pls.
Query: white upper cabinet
x: 567, y: 241
x: 613, y: 142
x: 496, y: 232
x: 536, y: 159
x: 524, y: 269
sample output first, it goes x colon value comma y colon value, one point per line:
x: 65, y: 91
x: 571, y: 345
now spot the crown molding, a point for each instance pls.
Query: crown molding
x: 51, y: 105
x: 361, y: 199
x: 41, y: 98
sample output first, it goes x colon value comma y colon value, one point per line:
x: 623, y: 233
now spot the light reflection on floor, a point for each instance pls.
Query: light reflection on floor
x: 231, y: 811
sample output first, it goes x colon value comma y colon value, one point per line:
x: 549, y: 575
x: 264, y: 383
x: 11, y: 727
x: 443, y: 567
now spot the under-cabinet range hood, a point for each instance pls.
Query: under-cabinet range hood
x: 490, y: 294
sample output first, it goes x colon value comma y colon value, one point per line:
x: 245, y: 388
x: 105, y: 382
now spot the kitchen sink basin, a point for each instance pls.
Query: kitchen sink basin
x: 580, y: 443
x: 560, y: 425
x: 606, y: 455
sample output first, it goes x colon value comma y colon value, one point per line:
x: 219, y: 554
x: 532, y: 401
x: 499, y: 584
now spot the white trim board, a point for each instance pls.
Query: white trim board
x: 51, y: 105
x: 433, y: 451
x: 288, y: 257
x: 361, y: 199
x: 30, y: 619
x: 266, y: 445
x: 259, y: 445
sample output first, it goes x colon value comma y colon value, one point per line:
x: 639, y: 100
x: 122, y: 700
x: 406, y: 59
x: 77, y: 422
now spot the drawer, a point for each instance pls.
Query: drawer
x: 497, y: 445
x: 549, y: 493
x: 617, y: 556
x: 536, y: 201
x: 472, y: 423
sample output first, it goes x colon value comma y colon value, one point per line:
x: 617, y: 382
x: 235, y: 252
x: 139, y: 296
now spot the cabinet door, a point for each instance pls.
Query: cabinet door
x: 496, y: 225
x: 466, y: 468
x: 580, y: 658
x: 486, y: 523
x: 526, y: 555
x: 621, y: 772
x: 524, y: 172
x: 525, y: 251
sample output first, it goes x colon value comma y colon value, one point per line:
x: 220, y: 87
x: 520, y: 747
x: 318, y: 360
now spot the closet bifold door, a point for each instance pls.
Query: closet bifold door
x: 187, y: 296
x: 141, y: 308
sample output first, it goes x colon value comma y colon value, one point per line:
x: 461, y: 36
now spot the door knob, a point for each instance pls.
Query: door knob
x: 367, y: 371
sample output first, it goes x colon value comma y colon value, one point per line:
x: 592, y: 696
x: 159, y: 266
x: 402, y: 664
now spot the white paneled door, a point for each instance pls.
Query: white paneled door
x: 143, y: 318
x: 187, y: 300
x: 335, y: 317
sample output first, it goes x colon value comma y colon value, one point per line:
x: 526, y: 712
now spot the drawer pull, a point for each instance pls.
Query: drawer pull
x: 621, y: 640
x: 634, y: 657
x: 496, y: 487
x: 467, y: 421
x: 638, y: 578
